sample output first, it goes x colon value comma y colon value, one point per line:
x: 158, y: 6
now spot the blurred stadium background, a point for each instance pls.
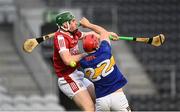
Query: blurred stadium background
x: 28, y: 82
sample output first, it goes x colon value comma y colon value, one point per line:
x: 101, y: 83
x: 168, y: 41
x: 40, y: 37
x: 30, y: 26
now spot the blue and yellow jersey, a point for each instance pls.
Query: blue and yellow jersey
x: 101, y: 69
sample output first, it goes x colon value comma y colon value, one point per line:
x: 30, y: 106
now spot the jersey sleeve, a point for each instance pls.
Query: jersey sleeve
x: 105, y: 46
x: 60, y: 43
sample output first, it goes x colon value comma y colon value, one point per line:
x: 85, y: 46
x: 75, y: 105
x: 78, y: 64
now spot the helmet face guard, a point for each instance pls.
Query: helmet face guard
x: 64, y: 17
x: 90, y: 43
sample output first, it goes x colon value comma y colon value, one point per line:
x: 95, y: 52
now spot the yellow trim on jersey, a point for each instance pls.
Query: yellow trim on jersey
x: 88, y: 73
x: 98, y: 70
x: 112, y: 63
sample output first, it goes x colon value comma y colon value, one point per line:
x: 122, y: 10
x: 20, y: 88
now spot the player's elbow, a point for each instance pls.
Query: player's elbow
x: 66, y: 61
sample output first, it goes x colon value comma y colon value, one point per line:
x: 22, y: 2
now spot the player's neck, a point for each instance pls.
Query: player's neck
x: 65, y: 32
x: 91, y: 52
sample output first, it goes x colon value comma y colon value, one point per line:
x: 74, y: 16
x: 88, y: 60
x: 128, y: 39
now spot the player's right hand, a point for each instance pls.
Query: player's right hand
x: 114, y: 36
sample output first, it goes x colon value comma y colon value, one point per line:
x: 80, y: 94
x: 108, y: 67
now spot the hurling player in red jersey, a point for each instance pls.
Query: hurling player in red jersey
x: 71, y: 81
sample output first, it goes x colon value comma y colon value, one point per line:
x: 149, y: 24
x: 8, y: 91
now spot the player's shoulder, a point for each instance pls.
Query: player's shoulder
x: 105, y: 46
x: 105, y: 43
x: 58, y: 33
x: 61, y: 35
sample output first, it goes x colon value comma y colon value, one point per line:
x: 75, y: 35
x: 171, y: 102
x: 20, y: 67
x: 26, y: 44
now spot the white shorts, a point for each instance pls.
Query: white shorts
x: 114, y: 102
x: 75, y: 83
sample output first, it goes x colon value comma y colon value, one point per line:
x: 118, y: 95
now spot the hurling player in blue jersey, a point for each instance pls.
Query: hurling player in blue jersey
x: 100, y: 67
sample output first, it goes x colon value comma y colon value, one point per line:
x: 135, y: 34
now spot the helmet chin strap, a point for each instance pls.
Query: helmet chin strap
x: 68, y: 27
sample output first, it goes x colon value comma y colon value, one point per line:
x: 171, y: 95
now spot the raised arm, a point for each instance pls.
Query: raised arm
x: 104, y: 34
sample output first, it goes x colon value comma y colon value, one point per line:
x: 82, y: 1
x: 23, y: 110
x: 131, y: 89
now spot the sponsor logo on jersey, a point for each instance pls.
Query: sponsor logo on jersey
x: 74, y: 50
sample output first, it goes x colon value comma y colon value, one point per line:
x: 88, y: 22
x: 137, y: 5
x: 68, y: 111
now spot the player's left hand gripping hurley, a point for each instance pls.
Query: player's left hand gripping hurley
x: 30, y: 44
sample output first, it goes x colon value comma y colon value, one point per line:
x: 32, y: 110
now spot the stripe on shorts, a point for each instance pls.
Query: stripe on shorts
x: 72, y: 84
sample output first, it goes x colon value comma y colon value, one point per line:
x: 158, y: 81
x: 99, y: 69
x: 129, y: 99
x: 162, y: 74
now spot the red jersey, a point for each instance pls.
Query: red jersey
x: 63, y: 42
